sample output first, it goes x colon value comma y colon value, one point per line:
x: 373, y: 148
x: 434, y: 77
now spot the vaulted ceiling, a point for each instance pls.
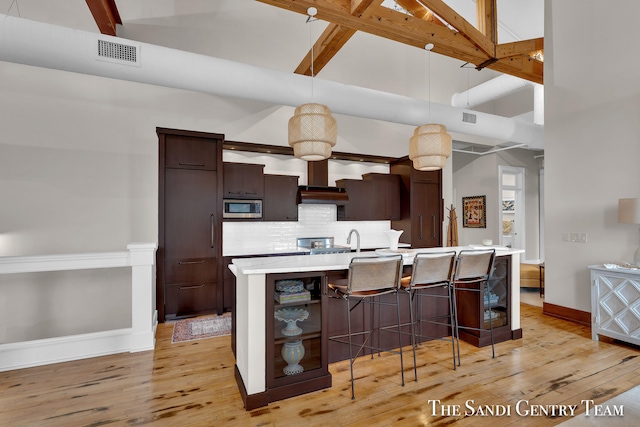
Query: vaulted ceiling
x: 378, y: 44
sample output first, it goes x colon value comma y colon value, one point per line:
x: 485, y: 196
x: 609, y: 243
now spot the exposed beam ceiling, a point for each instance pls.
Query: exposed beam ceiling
x: 457, y: 39
x: 105, y: 14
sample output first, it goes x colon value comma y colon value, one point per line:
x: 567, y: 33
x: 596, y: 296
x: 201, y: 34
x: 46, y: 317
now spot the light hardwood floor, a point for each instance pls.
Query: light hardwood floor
x: 192, y: 384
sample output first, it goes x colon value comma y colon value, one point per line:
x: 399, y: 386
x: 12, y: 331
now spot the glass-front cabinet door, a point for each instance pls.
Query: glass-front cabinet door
x: 296, y: 331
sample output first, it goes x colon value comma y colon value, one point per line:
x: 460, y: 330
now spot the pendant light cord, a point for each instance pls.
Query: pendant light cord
x: 312, y: 13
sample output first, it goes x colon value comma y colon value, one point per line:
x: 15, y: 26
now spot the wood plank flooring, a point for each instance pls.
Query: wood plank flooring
x: 192, y: 384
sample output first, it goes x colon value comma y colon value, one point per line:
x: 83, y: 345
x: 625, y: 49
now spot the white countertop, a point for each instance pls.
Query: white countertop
x: 293, y: 249
x: 302, y: 263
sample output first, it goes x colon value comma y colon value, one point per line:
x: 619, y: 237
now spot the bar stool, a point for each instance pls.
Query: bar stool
x: 368, y: 279
x: 431, y: 278
x: 473, y: 268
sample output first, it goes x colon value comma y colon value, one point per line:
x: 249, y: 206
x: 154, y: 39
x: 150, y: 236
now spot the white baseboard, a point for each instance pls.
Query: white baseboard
x: 28, y: 354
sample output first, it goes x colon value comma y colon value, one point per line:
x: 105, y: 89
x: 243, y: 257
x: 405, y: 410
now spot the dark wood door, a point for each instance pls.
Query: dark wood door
x: 190, y: 213
x: 426, y: 219
x: 385, y: 196
x: 191, y: 242
x: 280, y: 193
x: 243, y: 181
x: 360, y: 205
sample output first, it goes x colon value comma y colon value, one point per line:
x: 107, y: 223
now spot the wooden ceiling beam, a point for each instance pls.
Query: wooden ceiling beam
x: 414, y: 31
x: 332, y: 39
x: 451, y: 17
x: 523, y: 47
x: 416, y: 8
x: 487, y: 19
x: 105, y: 13
x: 325, y: 48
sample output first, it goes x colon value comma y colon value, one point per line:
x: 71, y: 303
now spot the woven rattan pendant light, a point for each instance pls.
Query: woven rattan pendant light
x: 430, y: 145
x: 312, y: 129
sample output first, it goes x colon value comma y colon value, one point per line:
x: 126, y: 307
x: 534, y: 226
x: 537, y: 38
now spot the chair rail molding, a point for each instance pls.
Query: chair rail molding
x: 144, y: 318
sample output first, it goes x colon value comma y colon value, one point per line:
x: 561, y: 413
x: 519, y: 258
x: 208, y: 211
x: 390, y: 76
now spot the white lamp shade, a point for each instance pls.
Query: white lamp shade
x: 312, y: 132
x: 429, y: 147
x: 629, y: 211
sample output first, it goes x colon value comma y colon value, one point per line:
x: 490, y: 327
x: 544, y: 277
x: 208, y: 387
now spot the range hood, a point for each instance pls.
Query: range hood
x: 314, y: 194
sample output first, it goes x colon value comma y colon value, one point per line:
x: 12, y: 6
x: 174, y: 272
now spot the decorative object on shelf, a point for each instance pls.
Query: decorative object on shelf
x: 474, y: 211
x: 508, y: 205
x: 291, y: 316
x: 289, y: 286
x: 312, y: 129
x: 292, y: 353
x: 284, y: 298
x: 487, y: 242
x: 629, y: 213
x: 430, y: 145
x: 507, y: 226
x: 394, y: 237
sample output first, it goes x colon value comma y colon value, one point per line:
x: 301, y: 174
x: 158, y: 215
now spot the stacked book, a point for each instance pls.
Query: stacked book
x: 285, y: 297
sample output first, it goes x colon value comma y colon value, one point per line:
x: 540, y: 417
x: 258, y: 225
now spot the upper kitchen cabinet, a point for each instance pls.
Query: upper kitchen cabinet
x: 186, y: 152
x: 385, y: 195
x: 280, y: 192
x: 359, y: 207
x: 188, y: 280
x: 421, y: 207
x: 243, y: 181
x: 375, y: 197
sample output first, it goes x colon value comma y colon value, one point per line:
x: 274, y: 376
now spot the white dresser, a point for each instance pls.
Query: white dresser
x: 615, y: 303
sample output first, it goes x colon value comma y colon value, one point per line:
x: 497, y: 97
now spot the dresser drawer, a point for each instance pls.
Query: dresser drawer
x: 190, y: 270
x: 190, y: 299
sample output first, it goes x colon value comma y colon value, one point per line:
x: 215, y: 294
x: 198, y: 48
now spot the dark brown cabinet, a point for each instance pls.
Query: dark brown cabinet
x: 385, y: 195
x: 280, y: 193
x: 189, y: 232
x: 474, y: 308
x: 359, y: 206
x: 421, y: 207
x: 243, y: 181
x: 374, y: 197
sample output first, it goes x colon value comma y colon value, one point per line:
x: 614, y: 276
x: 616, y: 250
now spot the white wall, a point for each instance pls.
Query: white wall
x: 79, y: 172
x: 475, y: 175
x: 592, y: 147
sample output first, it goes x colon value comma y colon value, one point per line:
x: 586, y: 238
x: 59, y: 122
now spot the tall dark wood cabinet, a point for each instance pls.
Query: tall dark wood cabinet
x: 188, y: 279
x: 421, y: 205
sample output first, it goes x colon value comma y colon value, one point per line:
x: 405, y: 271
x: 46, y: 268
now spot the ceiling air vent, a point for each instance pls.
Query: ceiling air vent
x: 468, y: 118
x: 118, y: 52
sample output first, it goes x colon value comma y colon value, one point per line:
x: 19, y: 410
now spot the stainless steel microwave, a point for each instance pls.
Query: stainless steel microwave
x: 238, y: 208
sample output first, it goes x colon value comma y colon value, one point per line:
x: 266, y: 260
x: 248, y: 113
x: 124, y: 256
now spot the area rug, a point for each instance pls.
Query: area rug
x: 201, y: 327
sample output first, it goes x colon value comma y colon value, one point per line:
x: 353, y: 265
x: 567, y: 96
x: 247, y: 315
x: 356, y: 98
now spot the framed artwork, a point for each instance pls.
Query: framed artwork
x: 474, y: 211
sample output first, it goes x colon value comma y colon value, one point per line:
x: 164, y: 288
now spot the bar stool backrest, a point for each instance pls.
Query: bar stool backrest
x: 474, y: 265
x: 374, y: 273
x: 433, y: 268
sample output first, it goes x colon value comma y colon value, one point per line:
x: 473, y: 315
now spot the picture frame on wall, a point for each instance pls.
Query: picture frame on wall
x: 474, y: 212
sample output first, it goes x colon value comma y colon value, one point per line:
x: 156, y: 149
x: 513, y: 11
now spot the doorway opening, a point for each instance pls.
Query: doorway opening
x: 512, y: 212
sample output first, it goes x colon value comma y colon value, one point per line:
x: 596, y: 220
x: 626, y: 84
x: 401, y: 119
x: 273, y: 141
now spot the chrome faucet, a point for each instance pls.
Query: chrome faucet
x: 357, y: 239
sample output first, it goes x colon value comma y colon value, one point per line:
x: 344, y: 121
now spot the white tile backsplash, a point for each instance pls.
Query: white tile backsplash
x: 256, y: 237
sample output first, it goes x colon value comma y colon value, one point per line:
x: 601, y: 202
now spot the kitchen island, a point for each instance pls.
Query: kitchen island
x: 259, y: 342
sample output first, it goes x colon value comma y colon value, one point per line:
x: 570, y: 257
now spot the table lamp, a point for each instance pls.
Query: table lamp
x: 629, y: 213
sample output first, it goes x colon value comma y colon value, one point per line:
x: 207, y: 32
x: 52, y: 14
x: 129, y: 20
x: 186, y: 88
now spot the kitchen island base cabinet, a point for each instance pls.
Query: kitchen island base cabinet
x: 266, y: 373
x: 474, y: 308
x: 296, y: 356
